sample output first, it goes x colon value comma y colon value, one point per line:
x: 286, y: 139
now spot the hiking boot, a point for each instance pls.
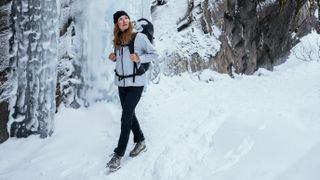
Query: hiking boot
x: 138, y: 148
x: 114, y: 163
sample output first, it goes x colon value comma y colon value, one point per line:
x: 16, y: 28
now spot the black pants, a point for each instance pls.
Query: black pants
x: 129, y: 97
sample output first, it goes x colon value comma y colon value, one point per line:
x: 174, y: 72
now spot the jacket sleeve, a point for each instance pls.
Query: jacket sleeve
x: 149, y: 52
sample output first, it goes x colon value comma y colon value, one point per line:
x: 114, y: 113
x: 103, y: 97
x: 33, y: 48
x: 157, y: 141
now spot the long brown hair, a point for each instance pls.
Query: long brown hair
x: 122, y: 37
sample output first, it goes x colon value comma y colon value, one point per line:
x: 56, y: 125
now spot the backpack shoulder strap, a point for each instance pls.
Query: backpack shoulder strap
x: 131, y: 50
x: 131, y: 44
x: 115, y: 51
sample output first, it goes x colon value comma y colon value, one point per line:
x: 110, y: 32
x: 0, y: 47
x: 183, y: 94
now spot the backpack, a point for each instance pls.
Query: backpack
x: 146, y: 27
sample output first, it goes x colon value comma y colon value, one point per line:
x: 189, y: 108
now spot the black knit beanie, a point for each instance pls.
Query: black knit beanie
x: 118, y: 14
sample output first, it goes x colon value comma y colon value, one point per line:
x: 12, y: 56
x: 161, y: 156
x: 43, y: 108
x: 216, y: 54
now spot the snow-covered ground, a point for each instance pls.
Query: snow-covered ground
x: 201, y: 126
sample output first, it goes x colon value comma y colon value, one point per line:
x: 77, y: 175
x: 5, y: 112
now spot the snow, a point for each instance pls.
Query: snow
x: 308, y: 49
x: 188, y: 41
x: 197, y: 126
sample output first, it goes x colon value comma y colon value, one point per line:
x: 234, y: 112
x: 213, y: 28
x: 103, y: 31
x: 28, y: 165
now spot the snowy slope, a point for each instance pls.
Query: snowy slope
x: 200, y: 126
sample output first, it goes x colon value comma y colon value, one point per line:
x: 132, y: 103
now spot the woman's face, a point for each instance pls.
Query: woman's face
x: 123, y: 22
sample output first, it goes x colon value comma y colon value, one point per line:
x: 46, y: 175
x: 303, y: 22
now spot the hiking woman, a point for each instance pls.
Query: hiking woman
x: 130, y: 86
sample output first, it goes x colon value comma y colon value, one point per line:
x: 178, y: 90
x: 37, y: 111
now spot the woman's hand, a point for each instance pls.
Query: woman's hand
x: 112, y: 57
x: 134, y: 58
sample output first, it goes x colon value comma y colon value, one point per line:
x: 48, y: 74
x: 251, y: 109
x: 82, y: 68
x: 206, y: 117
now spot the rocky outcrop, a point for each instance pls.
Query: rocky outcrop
x: 254, y: 33
x: 318, y: 2
x: 4, y: 67
x: 4, y: 114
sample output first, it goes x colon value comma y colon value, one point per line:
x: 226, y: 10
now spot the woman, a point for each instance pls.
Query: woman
x: 130, y: 88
